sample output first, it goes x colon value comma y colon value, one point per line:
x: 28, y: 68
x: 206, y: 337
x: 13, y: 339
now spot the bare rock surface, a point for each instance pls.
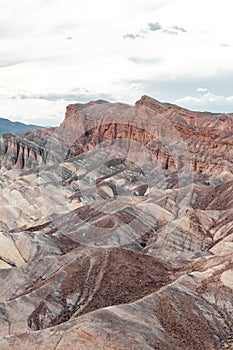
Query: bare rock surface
x: 116, y: 230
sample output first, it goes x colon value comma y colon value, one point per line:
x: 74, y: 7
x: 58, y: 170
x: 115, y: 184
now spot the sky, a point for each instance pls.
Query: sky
x: 57, y: 52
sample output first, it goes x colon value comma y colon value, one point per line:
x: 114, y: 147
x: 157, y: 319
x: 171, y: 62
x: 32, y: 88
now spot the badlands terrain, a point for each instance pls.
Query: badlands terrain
x: 116, y: 230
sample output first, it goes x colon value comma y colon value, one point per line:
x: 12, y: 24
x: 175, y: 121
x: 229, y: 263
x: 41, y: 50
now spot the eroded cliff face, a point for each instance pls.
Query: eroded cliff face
x: 169, y: 135
x: 32, y: 149
x: 173, y: 136
x: 120, y: 235
x: 17, y: 151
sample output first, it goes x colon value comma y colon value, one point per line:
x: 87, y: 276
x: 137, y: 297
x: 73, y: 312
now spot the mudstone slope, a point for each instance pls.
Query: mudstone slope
x: 116, y: 230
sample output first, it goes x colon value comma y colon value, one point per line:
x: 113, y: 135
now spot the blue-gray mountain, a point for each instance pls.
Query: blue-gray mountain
x: 7, y: 125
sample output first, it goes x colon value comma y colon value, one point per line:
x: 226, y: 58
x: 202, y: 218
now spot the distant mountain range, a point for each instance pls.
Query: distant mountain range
x: 15, y: 127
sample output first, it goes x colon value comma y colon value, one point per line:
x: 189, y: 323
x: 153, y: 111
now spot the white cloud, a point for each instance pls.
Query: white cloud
x: 202, y: 89
x: 181, y: 29
x: 36, y: 59
x: 208, y: 101
x: 145, y: 60
x: 154, y: 27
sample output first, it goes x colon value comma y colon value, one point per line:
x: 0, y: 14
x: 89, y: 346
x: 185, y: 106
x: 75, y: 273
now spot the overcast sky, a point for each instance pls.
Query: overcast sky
x: 56, y: 52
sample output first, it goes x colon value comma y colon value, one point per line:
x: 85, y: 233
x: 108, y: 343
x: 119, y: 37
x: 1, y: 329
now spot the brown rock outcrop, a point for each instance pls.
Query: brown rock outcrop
x: 202, y: 141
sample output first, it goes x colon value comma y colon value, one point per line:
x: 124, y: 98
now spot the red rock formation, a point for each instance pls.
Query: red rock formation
x: 204, y: 140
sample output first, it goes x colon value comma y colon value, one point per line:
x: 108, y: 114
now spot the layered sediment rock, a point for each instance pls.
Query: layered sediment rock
x: 202, y: 141
x: 25, y: 151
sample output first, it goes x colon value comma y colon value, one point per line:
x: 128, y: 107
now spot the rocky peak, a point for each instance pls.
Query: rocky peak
x: 71, y: 109
x: 150, y: 102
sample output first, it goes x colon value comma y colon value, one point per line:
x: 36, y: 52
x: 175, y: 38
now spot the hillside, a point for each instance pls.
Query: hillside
x: 117, y: 230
